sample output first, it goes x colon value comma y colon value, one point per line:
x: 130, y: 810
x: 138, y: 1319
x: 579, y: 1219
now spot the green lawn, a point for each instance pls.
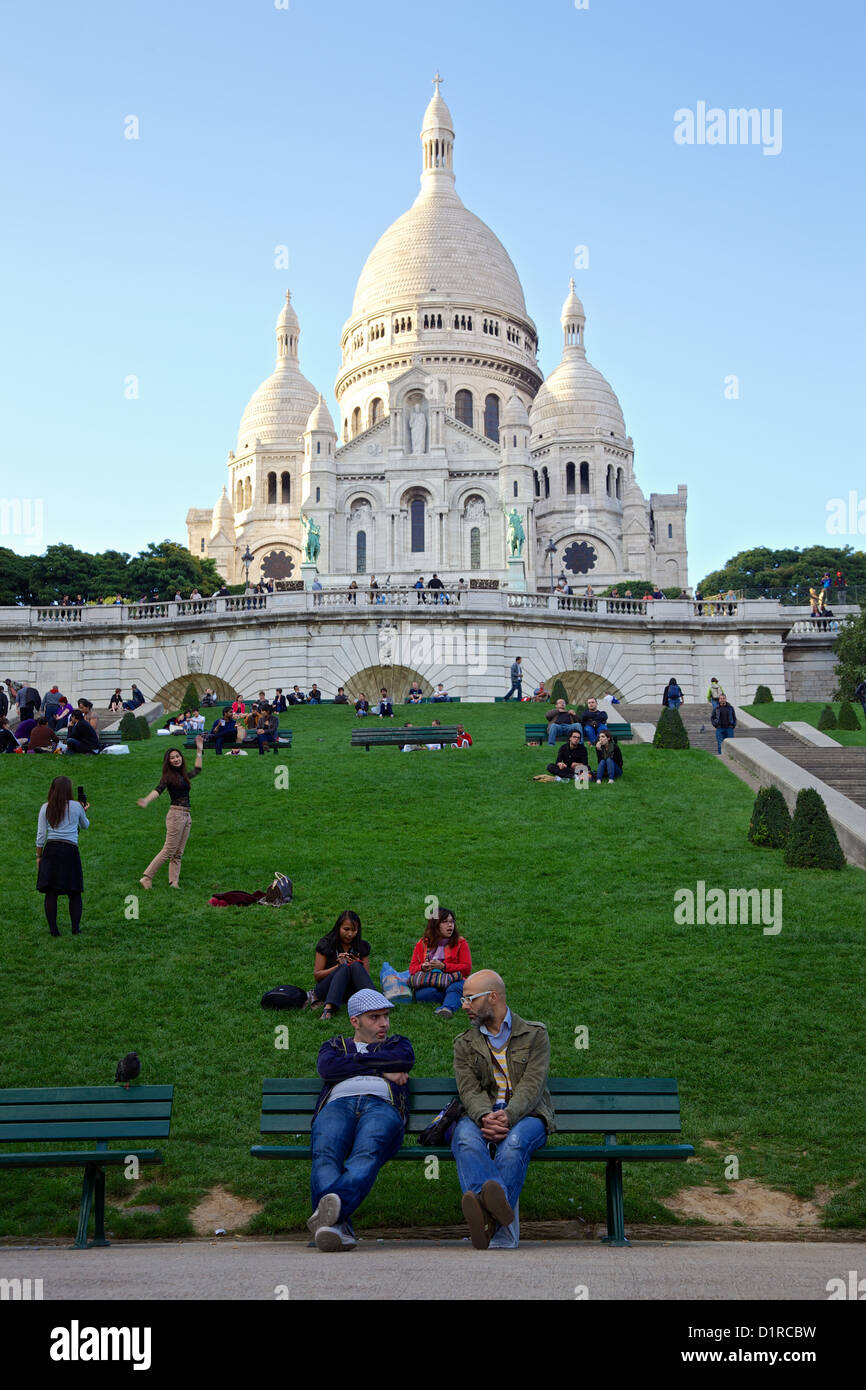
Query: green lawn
x: 569, y: 894
x: 809, y: 711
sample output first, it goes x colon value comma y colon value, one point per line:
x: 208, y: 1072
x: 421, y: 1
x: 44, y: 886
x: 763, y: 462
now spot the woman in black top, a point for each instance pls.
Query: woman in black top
x: 175, y: 780
x: 8, y: 741
x: 342, y: 958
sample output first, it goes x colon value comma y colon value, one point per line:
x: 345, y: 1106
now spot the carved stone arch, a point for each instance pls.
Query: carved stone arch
x: 396, y: 679
x: 580, y: 685
x: 172, y: 693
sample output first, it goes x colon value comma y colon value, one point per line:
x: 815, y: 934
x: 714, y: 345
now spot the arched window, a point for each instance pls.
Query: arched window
x: 285, y: 487
x: 463, y: 408
x: 318, y: 494
x: 202, y: 545
x: 416, y: 518
x: 515, y: 487
x: 537, y: 481
x: 475, y: 548
x: 361, y: 552
x: 248, y: 493
x: 377, y: 408
x: 345, y: 431
x: 438, y: 320
x: 670, y: 533
x: 239, y: 496
x: 318, y: 446
x: 619, y: 483
x: 356, y: 421
x: 545, y: 478
x: 584, y: 478
x: 272, y: 489
x: 491, y: 418
x: 569, y: 479
x: 609, y: 482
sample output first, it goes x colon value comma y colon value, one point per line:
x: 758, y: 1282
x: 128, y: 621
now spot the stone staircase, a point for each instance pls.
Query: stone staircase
x: 842, y: 768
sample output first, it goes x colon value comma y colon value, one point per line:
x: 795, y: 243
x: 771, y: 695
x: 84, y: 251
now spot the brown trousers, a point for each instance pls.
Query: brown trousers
x: 177, y: 827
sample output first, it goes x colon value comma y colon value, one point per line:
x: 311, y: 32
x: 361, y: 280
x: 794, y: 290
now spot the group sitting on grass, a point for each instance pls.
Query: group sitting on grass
x: 572, y: 759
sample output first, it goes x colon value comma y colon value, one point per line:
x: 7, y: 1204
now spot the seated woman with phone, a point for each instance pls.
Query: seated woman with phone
x: 341, y: 967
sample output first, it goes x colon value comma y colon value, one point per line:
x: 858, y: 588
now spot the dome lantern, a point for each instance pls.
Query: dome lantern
x: 437, y: 142
x: 288, y: 330
x: 573, y: 320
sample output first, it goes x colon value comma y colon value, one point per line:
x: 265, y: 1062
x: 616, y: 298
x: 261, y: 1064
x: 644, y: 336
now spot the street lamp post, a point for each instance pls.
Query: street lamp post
x: 550, y: 551
x: 246, y: 561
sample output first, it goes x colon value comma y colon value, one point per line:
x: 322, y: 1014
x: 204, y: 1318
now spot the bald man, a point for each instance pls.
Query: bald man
x: 501, y: 1065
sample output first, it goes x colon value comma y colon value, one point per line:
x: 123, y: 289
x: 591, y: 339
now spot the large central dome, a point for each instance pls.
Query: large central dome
x: 438, y: 246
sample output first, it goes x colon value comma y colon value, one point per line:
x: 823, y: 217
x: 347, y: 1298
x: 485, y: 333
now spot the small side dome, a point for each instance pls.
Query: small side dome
x: 223, y: 509
x: 515, y: 412
x: 320, y: 418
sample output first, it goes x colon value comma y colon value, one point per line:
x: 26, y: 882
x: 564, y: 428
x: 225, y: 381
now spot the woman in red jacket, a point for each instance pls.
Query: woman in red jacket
x: 442, y: 948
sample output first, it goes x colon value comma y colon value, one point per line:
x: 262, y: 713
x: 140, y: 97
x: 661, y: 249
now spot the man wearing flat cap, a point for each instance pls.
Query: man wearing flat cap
x: 360, y: 1116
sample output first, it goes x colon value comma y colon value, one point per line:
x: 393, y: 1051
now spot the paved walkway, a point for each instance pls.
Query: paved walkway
x: 416, y: 1271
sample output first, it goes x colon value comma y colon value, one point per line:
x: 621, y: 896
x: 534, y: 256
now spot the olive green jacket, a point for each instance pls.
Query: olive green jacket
x: 528, y: 1056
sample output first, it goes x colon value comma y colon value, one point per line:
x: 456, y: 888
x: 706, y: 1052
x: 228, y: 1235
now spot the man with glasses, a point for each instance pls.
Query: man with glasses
x: 501, y: 1066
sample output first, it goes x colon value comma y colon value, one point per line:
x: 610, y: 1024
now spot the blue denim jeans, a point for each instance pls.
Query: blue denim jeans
x: 518, y: 686
x: 607, y: 765
x: 721, y: 735
x: 508, y: 1167
x: 590, y: 733
x: 351, y: 1139
x: 444, y: 998
x: 560, y: 732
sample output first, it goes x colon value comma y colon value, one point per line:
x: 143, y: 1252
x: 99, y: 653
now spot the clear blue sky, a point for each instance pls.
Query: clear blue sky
x: 262, y: 126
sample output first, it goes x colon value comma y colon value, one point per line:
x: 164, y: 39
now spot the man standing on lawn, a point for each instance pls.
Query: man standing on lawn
x: 516, y: 678
x: 360, y: 1118
x: 501, y: 1066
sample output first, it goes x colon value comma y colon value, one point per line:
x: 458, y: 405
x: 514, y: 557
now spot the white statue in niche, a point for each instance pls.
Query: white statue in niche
x: 418, y: 429
x: 475, y: 510
x: 578, y: 655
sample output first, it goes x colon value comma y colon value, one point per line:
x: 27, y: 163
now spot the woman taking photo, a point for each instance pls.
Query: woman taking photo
x: 57, y: 859
x: 444, y: 950
x: 175, y: 780
x: 342, y: 960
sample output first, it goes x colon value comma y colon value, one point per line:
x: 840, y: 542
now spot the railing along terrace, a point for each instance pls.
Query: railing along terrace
x: 809, y: 626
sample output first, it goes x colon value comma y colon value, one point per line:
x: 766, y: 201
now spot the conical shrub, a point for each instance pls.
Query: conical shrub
x: 813, y: 843
x: 763, y: 696
x: 848, y: 716
x: 670, y: 731
x: 827, y: 719
x: 190, y: 697
x: 558, y: 692
x: 143, y: 726
x: 129, y: 730
x: 770, y: 825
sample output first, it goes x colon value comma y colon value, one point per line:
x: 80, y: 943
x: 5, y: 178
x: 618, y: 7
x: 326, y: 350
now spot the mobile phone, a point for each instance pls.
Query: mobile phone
x: 81, y: 797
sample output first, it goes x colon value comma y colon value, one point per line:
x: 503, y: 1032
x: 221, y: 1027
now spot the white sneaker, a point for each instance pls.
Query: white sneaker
x: 327, y: 1213
x: 328, y: 1239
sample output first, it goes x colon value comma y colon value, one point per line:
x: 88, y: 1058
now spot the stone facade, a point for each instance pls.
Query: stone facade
x: 445, y: 425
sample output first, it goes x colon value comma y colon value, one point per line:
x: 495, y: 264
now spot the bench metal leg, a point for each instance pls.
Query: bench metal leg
x: 615, y: 1210
x: 84, y: 1208
x: 99, y: 1210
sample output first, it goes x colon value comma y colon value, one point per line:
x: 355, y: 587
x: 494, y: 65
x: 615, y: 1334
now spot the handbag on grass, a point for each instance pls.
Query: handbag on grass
x: 432, y: 979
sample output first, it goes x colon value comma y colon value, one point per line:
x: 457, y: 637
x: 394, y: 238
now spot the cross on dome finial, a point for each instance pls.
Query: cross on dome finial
x: 437, y: 80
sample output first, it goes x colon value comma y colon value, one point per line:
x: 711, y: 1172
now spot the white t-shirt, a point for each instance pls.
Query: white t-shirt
x: 361, y: 1085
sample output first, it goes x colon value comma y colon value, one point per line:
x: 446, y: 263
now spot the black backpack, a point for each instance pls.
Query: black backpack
x: 285, y: 997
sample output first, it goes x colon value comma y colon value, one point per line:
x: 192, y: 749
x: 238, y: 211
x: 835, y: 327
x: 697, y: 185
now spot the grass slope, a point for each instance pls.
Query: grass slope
x: 809, y: 711
x: 568, y: 893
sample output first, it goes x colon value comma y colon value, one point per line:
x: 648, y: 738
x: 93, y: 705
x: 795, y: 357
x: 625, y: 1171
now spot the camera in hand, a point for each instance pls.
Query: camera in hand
x: 81, y: 797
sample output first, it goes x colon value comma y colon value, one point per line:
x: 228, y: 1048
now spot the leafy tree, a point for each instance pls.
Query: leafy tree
x: 785, y: 574
x: 770, y: 825
x: 813, y: 843
x: 850, y: 648
x: 64, y: 570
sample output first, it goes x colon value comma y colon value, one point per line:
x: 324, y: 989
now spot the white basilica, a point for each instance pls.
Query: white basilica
x: 445, y: 425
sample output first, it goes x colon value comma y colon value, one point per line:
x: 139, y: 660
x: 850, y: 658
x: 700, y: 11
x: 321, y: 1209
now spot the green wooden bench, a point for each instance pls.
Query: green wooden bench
x: 537, y: 733
x: 106, y: 736
x: 284, y: 740
x: 584, y: 1105
x: 366, y: 737
x: 94, y: 1113
x: 428, y: 700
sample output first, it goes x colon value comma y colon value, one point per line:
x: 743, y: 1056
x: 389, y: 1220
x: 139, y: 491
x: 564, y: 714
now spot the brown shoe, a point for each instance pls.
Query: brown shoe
x: 481, y: 1224
x: 494, y: 1200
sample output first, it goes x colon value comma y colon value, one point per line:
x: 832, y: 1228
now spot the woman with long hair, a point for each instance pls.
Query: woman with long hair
x: 175, y: 780
x: 341, y: 966
x: 58, y: 862
x: 441, y: 949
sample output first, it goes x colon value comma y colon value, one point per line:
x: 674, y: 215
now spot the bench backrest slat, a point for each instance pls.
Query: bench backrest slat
x: 583, y: 1105
x: 77, y: 1129
x: 85, y: 1112
x: 83, y: 1095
